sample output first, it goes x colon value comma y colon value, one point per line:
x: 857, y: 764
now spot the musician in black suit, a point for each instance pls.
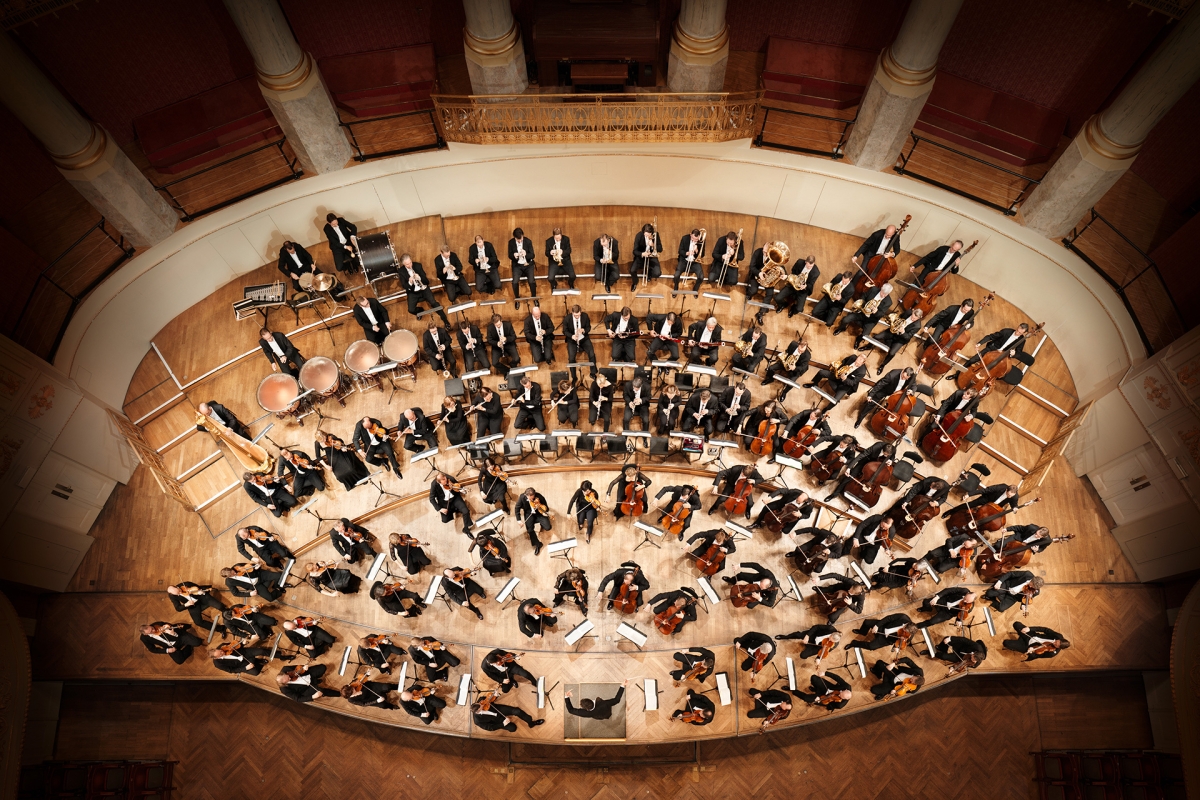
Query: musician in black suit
x: 375, y: 650
x: 416, y: 285
x: 351, y: 541
x: 254, y: 542
x: 693, y: 658
x: 1036, y: 537
x: 576, y: 327
x: 646, y: 249
x: 813, y: 639
x: 448, y: 500
x: 665, y: 327
x: 1010, y: 340
x: 489, y: 419
x: 637, y: 401
x: 876, y: 302
x: 725, y: 481
x: 561, y: 245
x: 473, y: 346
x: 415, y: 427
x: 237, y: 659
x: 532, y: 507
x: 533, y: 624
x: 439, y: 351
x: 539, y: 324
x: 503, y: 341
x: 667, y: 410
x: 684, y: 599
x: 766, y: 703
x: 755, y: 573
x: 700, y: 412
x: 252, y: 580
x: 1018, y: 585
x: 833, y: 583
x: 171, y: 639
x: 896, y: 381
x: 951, y: 554
x: 307, y: 634
x: 374, y: 319
x: 460, y: 588
x: 871, y: 536
x: 193, y: 599
x: 830, y: 691
x: 946, y: 605
x: 758, y: 260
x: 963, y: 314
x: 502, y: 667
x: 369, y: 694
x: 269, y: 492
x: 280, y: 351
x: 757, y: 341
x: 837, y: 295
x: 622, y: 328
x: 407, y: 552
x: 966, y: 400
x: 295, y: 261
x: 853, y: 369
x: 1006, y: 496
x: 795, y: 298
x: 223, y: 415
x: 374, y: 446
x: 895, y: 337
x: 885, y: 242
x: 753, y: 643
x: 483, y: 258
x: 696, y: 705
x: 892, y: 676
x: 733, y: 407
x: 939, y: 258
x: 434, y: 656
x: 520, y: 255
x: 788, y: 506
x: 248, y: 622
x: 529, y: 399
x: 704, y: 341
x: 691, y: 251
x: 391, y: 596
x: 686, y: 493
x: 499, y: 716
x: 343, y: 241
x: 598, y: 708
x: 961, y: 650
x: 308, y: 476
x: 630, y: 475
x: 628, y: 573
x: 725, y: 260
x: 450, y: 272
x: 423, y: 706
x: 881, y: 633
x: 798, y: 354
x: 302, y: 683
x: 1036, y: 641
x: 607, y: 255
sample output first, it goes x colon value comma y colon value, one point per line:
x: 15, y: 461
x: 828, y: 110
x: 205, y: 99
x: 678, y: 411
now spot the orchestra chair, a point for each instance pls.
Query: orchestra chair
x: 66, y: 780
x: 611, y: 374
x: 618, y: 448
x: 512, y: 450
x: 972, y: 483
x: 685, y: 382
x: 477, y: 454
x: 107, y: 780
x: 556, y: 377
x: 718, y: 383
x: 904, y: 467
x: 454, y: 388
x: 659, y: 449
x: 549, y: 445
x: 151, y: 780
x: 1016, y: 374
x: 586, y: 444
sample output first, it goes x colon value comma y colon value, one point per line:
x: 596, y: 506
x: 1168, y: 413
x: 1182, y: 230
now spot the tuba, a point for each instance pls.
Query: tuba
x: 777, y: 257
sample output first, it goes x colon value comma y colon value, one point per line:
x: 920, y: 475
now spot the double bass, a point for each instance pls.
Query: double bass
x: 881, y: 267
x: 984, y: 373
x: 1013, y: 555
x: 948, y: 344
x: 987, y: 517
x: 945, y: 438
x: 869, y: 484
x: 908, y: 519
x: 742, y: 496
x: 925, y: 296
x: 891, y: 421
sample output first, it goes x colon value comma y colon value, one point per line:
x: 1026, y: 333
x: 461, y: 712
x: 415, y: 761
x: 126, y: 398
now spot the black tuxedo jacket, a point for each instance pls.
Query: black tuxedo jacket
x: 685, y: 244
x: 290, y: 353
x: 439, y: 266
x: 406, y: 279
x: 510, y: 336
x: 601, y: 710
x: 722, y: 246
x: 547, y: 330
x: 697, y: 327
x: 598, y: 252
x: 361, y: 440
x: 585, y: 324
x: 566, y: 250
x: 930, y: 261
x: 640, y: 249
x: 348, y: 230
x: 993, y: 341
x: 489, y: 251
x: 944, y: 318
x: 871, y: 244
x: 288, y: 265
x: 654, y: 323
x: 527, y: 245
x: 377, y: 309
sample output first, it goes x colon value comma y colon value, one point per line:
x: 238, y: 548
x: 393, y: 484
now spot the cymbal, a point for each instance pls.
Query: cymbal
x: 323, y: 281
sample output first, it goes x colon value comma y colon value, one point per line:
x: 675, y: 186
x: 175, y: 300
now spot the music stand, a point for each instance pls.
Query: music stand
x: 427, y: 454
x: 647, y: 532
x: 322, y: 520
x: 378, y: 486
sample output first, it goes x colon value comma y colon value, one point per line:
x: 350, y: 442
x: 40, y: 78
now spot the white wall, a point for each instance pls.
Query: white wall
x: 112, y: 330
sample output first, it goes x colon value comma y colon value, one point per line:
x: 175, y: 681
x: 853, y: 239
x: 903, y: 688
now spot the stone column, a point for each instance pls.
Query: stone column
x: 1107, y: 144
x: 493, y: 48
x: 699, y: 47
x: 903, y: 80
x: 84, y: 152
x: 292, y: 86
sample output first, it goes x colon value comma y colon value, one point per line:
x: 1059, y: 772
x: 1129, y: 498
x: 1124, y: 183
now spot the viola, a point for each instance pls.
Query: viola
x: 828, y: 699
x: 907, y: 686
x: 1042, y: 649
x: 674, y: 520
x: 964, y: 611
x: 798, y: 443
x: 933, y: 287
x: 881, y: 268
x: 777, y: 714
x: 506, y: 658
x: 485, y: 702
x: 945, y: 438
x: 739, y: 501
x: 983, y: 374
x: 592, y: 499
x: 764, y: 443
x: 987, y: 517
x: 891, y: 421
x: 823, y: 468
x: 867, y: 487
x: 908, y: 519
x: 950, y: 342
x: 826, y: 648
x: 691, y: 716
x: 1013, y: 555
x: 626, y: 599
x: 760, y: 661
x: 634, y: 504
x: 903, y: 637
x: 743, y: 594
x: 711, y: 562
x: 829, y: 604
x: 668, y: 620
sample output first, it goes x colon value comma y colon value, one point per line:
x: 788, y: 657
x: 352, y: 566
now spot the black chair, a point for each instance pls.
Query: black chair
x: 904, y: 467
x: 586, y: 444
x: 549, y: 445
x: 659, y: 446
x: 718, y: 383
x: 685, y: 382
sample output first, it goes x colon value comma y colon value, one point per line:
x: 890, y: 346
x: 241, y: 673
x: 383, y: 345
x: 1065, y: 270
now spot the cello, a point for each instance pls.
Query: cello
x: 824, y: 468
x: 891, y: 421
x: 742, y: 496
x: 948, y: 344
x: 669, y: 619
x: 1013, y: 555
x: 764, y: 442
x: 713, y: 559
x: 798, y: 443
x: 626, y: 600
x: 673, y: 521
x: 908, y: 519
x: 872, y: 479
x: 634, y: 504
x: 743, y: 594
x: 881, y: 267
x: 945, y: 438
x: 987, y: 517
x: 934, y: 286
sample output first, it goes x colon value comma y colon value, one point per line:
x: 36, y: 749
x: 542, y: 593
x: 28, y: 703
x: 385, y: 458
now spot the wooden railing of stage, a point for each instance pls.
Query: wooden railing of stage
x: 636, y: 117
x: 153, y: 460
x: 1054, y: 448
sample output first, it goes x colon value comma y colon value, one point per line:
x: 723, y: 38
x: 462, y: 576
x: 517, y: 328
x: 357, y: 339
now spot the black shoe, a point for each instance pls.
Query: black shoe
x: 878, y: 372
x: 537, y: 550
x: 479, y: 615
x: 517, y: 305
x: 728, y: 579
x: 838, y: 331
x: 857, y: 423
x: 808, y: 386
x: 537, y: 722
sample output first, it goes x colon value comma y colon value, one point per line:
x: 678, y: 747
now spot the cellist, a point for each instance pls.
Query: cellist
x: 873, y: 534
x: 682, y: 600
x: 713, y: 548
x: 630, y: 477
x: 955, y: 553
x: 627, y: 581
x: 697, y: 710
x: 898, y: 381
x: 676, y: 515
x: 814, y: 420
x: 760, y: 434
x: 1006, y: 496
x: 783, y: 510
x: 726, y: 480
x: 881, y: 452
x: 755, y: 585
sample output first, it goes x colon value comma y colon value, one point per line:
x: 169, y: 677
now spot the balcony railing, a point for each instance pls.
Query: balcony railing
x: 804, y: 132
x: 232, y: 180
x: 964, y: 174
x: 394, y: 134
x: 634, y: 117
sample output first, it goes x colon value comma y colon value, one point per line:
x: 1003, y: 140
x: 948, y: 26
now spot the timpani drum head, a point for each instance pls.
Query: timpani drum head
x: 401, y: 347
x: 361, y: 356
x: 377, y: 253
x: 277, y: 391
x: 319, y: 374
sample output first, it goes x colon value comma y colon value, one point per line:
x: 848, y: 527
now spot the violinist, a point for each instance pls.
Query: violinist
x: 866, y: 311
x: 600, y: 400
x: 894, y: 630
x: 960, y: 652
x: 193, y: 599
x: 939, y: 258
x: 598, y: 708
x: 422, y: 703
x: 247, y: 622
x: 502, y: 666
x: 771, y: 706
x: 704, y: 341
x: 460, y: 588
x: 700, y: 411
x: 762, y: 426
x: 333, y: 454
x: 434, y: 656
x: 838, y: 594
x: 326, y: 578
x: 1036, y: 641
x: 491, y: 716
x: 372, y: 442
x: 819, y: 640
x: 454, y: 417
x: 725, y: 481
x: 679, y: 606
x: 954, y: 602
x: 406, y: 550
x: 308, y: 476
x: 900, y: 573
x: 956, y: 553
x: 237, y: 659
x: 572, y: 584
x: 812, y: 556
x: 533, y: 618
x: 897, y: 678
x: 622, y: 328
x: 630, y: 482
x: 254, y: 542
x: 900, y: 331
x: 837, y: 294
x: 750, y: 348
x: 667, y: 409
x: 843, y: 377
x: 449, y: 271
x: 174, y: 640
x: 269, y: 492
x: 308, y: 635
x: 438, y: 352
x: 252, y: 580
x: 529, y: 415
x: 539, y: 335
x: 668, y: 332
x: 734, y: 404
x: 755, y: 585
x: 585, y: 505
x: 369, y: 693
x: 1013, y: 587
x: 711, y: 552
x: 352, y: 541
x: 872, y: 535
x: 676, y: 515
x: 494, y: 554
x: 628, y: 583
x: 533, y: 508
x: 374, y: 650
x: 697, y: 709
x: 791, y: 363
x: 1011, y: 340
x: 784, y: 509
x: 302, y: 683
x: 880, y: 453
x: 637, y: 402
x: 396, y: 600
x: 806, y: 276
x: 695, y: 664
x: 415, y: 427
x: 565, y: 398
x: 474, y: 350
x: 898, y: 381
x: 577, y: 327
x: 447, y: 497
x: 493, y: 483
x: 829, y: 691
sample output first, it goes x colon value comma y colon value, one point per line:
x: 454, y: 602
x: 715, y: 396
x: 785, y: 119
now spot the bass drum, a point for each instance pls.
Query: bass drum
x: 378, y: 255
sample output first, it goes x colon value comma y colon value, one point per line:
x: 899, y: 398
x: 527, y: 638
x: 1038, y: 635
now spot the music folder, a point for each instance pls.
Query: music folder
x: 345, y: 661
x: 745, y: 533
x: 648, y: 529
x: 651, y: 692
x: 579, y: 631
x: 434, y: 585
x: 928, y: 643
x: 464, y: 688
x: 862, y: 669
x: 461, y: 307
x: 376, y: 566
x: 791, y: 673
x: 723, y: 689
x: 403, y: 676
x: 541, y: 686
x: 708, y: 589
x: 632, y: 634
x: 424, y: 454
x: 559, y: 547
x: 987, y: 615
x: 508, y: 589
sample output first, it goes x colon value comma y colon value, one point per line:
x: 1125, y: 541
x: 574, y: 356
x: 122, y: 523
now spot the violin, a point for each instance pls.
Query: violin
x: 433, y: 644
x: 507, y: 658
x: 674, y: 520
x: 964, y: 611
x: 540, y: 611
x: 538, y: 506
x: 934, y: 286
x: 691, y: 716
x: 1013, y: 555
x: 950, y: 342
x: 743, y: 594
x: 1046, y: 647
x: 375, y: 640
x: 891, y: 421
x: 634, y: 504
x: 592, y: 499
x: 822, y: 468
x: 907, y: 686
x: 711, y: 562
x: 867, y: 487
x: 668, y: 620
x: 422, y: 692
x: 987, y: 517
x: 881, y: 268
x: 760, y: 661
x: 777, y: 714
x: 244, y: 570
x: 409, y: 541
x: 496, y: 472
x: 382, y: 433
x: 798, y: 443
x: 493, y: 548
x: 903, y: 637
x: 739, y: 501
x: 461, y: 575
x: 485, y: 701
x: 626, y: 599
x: 908, y: 519
x: 945, y: 438
x: 828, y: 699
x: 826, y: 648
x: 764, y: 443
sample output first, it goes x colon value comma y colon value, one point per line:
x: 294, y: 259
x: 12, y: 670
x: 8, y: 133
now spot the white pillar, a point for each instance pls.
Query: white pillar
x: 292, y: 86
x: 699, y: 47
x: 493, y: 48
x: 902, y: 82
x: 1107, y: 144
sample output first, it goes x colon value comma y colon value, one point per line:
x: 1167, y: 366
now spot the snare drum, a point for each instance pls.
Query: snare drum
x: 377, y: 254
x: 321, y: 375
x: 278, y: 392
x: 401, y: 347
x: 306, y: 281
